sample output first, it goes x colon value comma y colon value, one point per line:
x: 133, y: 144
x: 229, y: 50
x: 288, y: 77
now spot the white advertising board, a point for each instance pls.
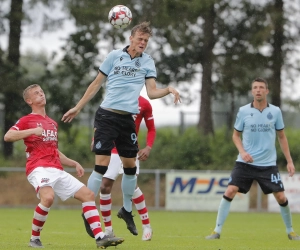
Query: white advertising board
x: 292, y: 192
x: 198, y: 191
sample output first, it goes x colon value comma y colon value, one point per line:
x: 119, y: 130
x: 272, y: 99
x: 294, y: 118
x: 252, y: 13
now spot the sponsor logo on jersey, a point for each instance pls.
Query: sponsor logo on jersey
x: 49, y: 135
x: 137, y: 63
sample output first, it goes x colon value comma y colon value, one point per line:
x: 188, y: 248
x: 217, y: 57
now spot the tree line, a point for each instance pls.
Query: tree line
x: 228, y: 43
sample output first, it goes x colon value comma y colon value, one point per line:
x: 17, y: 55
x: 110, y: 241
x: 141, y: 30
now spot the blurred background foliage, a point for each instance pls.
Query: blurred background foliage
x: 171, y: 150
x: 222, y: 45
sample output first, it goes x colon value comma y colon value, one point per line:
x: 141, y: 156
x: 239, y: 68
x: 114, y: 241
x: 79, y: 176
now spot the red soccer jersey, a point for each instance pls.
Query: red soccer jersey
x: 41, y: 151
x: 145, y: 109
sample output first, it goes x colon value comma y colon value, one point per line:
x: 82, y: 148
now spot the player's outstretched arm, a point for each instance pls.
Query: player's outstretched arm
x: 154, y: 93
x: 15, y: 135
x: 88, y: 95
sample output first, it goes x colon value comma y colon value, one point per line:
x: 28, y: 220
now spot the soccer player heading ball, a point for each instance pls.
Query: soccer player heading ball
x: 126, y: 71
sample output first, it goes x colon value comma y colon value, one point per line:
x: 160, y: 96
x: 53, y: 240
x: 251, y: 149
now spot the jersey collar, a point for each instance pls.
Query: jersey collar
x: 252, y: 106
x: 125, y: 50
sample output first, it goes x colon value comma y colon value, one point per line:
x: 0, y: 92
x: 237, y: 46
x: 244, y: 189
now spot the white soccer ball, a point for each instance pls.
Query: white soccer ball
x: 120, y: 16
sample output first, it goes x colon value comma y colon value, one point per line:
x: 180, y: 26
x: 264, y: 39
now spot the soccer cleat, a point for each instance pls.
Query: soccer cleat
x: 147, y: 233
x: 293, y: 236
x: 87, y: 227
x: 107, y: 241
x: 110, y: 233
x: 213, y: 236
x: 128, y: 218
x: 35, y: 243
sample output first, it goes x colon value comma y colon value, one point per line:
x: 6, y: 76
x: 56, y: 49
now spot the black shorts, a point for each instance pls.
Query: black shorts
x: 113, y: 129
x: 244, y: 174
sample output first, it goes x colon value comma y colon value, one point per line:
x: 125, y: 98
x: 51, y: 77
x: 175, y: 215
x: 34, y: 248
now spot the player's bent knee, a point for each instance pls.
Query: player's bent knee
x: 231, y: 191
x: 47, y: 200
x: 130, y: 171
x: 105, y: 190
x: 100, y: 169
x: 84, y: 194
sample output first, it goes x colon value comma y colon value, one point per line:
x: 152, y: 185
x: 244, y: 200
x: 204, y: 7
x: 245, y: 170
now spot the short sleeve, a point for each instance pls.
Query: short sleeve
x: 151, y: 73
x: 21, y: 124
x: 239, y: 123
x: 107, y: 64
x: 279, y: 124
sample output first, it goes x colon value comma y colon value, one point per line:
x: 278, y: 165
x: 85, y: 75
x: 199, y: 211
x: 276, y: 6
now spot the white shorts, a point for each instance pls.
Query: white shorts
x: 115, y: 167
x: 64, y: 185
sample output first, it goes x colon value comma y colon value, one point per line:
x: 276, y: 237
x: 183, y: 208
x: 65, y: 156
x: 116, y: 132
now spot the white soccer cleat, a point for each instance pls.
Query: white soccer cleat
x: 147, y: 233
x: 213, y: 236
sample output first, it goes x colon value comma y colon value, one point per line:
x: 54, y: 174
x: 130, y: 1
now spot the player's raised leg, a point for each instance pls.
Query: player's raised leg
x: 91, y: 214
x: 94, y: 183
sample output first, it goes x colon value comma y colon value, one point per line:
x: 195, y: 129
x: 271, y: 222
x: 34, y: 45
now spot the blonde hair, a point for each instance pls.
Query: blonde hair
x: 25, y: 92
x: 143, y: 27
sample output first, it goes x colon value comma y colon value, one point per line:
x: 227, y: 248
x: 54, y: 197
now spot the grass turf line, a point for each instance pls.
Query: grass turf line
x: 172, y: 230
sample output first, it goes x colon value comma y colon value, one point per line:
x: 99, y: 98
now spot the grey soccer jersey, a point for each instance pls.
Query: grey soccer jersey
x: 259, y: 133
x: 125, y: 79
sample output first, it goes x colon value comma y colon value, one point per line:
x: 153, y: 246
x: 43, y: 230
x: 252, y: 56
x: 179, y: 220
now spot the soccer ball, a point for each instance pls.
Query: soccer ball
x: 120, y: 16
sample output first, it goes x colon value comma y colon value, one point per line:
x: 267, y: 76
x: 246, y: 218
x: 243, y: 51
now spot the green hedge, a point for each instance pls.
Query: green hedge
x: 171, y: 150
x: 192, y: 150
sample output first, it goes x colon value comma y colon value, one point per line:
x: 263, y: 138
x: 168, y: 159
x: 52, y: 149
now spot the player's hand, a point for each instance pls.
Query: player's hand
x: 176, y: 95
x: 290, y: 168
x: 69, y: 116
x: 144, y: 153
x: 79, y: 170
x: 247, y: 157
x: 38, y: 130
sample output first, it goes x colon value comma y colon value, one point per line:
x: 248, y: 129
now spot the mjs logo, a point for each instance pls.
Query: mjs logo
x: 199, y: 186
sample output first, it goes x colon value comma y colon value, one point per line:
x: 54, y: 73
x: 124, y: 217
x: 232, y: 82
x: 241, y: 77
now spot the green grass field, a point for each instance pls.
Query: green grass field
x: 172, y: 230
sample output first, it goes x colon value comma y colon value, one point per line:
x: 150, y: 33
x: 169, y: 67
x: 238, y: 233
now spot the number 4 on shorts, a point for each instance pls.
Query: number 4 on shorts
x: 275, y: 178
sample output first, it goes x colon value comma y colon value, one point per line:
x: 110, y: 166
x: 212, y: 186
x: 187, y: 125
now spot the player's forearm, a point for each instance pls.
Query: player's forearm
x: 158, y: 93
x: 89, y: 94
x: 150, y: 138
x: 285, y: 149
x: 15, y: 135
x: 238, y: 144
x: 64, y: 160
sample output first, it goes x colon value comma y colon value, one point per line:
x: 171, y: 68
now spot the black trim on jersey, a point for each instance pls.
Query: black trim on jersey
x: 125, y: 50
x: 238, y: 130
x: 253, y: 106
x: 103, y: 72
x: 149, y: 77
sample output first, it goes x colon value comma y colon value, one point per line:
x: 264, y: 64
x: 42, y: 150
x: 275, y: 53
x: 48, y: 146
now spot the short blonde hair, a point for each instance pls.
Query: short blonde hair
x: 25, y: 92
x: 143, y: 27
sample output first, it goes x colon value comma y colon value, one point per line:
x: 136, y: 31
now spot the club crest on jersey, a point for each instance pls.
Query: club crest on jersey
x: 98, y: 145
x: 137, y: 63
x: 121, y: 58
x: 45, y: 180
x: 269, y: 116
x: 54, y: 126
